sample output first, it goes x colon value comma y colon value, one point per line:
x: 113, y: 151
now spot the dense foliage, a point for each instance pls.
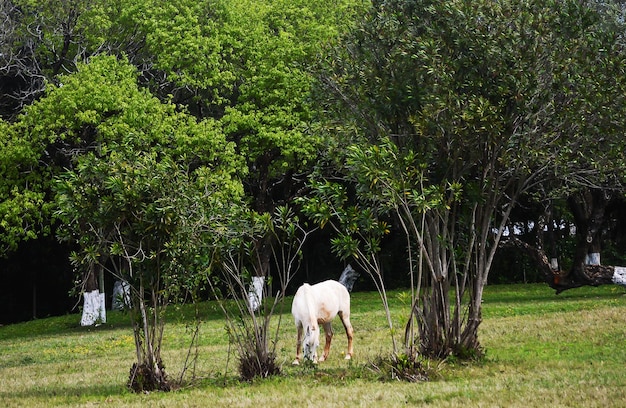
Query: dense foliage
x: 448, y: 114
x: 153, y: 137
x: 134, y: 128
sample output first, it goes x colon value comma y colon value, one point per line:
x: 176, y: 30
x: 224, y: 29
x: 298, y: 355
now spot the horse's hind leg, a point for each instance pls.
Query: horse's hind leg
x: 345, y: 319
x: 328, y: 330
x: 299, y: 344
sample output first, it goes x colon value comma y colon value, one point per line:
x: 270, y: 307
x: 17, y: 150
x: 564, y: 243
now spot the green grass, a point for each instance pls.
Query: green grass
x: 541, y: 350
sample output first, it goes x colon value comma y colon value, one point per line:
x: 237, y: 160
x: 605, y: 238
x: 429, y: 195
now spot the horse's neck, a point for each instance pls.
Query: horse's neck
x: 311, y: 305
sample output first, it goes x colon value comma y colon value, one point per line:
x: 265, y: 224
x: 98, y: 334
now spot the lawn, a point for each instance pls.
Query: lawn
x: 541, y: 350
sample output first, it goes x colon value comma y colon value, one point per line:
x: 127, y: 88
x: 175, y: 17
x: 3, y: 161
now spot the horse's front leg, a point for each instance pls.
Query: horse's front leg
x: 299, y: 344
x: 345, y: 319
x: 328, y: 330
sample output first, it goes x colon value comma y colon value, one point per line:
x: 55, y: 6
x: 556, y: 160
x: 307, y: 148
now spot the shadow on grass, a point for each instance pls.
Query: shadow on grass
x: 82, y: 391
x: 70, y: 324
x: 67, y: 325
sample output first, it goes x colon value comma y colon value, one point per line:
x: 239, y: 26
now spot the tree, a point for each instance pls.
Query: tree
x: 130, y: 211
x: 590, y: 212
x: 246, y: 64
x: 269, y: 116
x: 140, y: 176
x: 451, y: 112
x: 38, y: 41
x: 250, y: 324
x: 587, y: 85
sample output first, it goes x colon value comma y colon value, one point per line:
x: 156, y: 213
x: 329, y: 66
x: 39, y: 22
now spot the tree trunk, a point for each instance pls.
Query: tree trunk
x: 584, y: 275
x: 263, y: 204
x: 121, y: 295
x: 148, y: 373
x: 94, y: 309
x: 588, y: 208
x: 268, y: 189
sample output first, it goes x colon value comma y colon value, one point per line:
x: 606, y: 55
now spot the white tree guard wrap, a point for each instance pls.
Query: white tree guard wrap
x: 121, y: 295
x: 619, y: 275
x: 103, y: 308
x: 348, y: 277
x: 94, y: 309
x: 593, y: 258
x: 255, y: 293
x: 554, y: 264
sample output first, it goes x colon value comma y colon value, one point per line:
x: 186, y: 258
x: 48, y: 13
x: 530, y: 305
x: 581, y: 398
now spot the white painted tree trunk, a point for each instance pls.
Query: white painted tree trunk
x: 94, y: 308
x: 255, y: 293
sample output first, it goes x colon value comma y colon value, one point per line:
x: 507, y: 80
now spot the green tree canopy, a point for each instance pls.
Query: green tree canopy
x: 485, y: 102
x: 145, y: 175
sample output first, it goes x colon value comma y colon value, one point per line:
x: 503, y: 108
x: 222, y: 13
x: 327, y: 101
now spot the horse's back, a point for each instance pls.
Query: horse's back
x: 332, y: 297
x: 334, y: 287
x: 324, y: 300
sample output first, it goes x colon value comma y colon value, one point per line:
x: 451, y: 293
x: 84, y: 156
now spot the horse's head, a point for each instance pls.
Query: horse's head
x: 310, y: 342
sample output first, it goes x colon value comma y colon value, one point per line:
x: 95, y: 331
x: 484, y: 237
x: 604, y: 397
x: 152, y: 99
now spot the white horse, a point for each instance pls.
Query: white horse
x: 319, y: 304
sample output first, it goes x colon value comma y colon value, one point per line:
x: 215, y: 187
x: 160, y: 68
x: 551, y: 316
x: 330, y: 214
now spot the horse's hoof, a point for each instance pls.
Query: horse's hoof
x: 296, y: 362
x: 347, y: 357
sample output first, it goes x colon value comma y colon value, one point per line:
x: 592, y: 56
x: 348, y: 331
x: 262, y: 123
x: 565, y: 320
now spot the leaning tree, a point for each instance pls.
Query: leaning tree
x: 445, y: 114
x: 591, y: 210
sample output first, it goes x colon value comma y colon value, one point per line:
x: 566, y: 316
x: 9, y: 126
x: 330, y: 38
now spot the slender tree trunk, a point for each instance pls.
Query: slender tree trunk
x: 147, y: 374
x: 588, y: 208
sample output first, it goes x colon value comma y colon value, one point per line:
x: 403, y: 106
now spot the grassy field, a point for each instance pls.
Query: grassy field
x: 542, y: 350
